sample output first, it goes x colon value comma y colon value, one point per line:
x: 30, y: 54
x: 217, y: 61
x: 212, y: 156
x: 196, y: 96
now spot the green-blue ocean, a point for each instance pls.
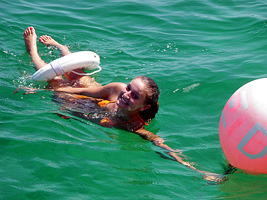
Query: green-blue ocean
x: 198, y: 51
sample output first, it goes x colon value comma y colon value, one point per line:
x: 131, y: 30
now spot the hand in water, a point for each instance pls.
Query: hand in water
x: 214, y: 178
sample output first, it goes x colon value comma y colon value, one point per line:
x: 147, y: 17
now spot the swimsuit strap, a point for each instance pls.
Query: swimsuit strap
x: 139, y: 116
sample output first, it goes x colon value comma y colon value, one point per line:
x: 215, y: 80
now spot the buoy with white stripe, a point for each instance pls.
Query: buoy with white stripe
x: 83, y: 59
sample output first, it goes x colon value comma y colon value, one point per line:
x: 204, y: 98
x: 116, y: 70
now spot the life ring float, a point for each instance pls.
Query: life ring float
x: 82, y: 59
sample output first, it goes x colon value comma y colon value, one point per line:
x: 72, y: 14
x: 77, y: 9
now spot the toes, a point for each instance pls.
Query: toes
x: 47, y: 37
x: 29, y: 31
x: 32, y: 30
x: 41, y: 39
x: 44, y: 38
x: 26, y: 32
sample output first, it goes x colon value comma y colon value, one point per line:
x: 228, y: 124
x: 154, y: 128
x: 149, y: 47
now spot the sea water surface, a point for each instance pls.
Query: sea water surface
x: 198, y: 51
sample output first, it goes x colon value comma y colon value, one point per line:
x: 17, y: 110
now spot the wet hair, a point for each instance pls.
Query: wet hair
x: 151, y: 99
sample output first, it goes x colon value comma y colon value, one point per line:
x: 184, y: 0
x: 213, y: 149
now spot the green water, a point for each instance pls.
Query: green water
x: 199, y: 53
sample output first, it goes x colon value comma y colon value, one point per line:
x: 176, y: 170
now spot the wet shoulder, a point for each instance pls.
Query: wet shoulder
x: 114, y: 90
x: 116, y: 86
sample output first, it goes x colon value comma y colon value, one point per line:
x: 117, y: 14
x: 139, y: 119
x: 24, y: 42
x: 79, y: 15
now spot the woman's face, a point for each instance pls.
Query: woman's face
x: 132, y: 97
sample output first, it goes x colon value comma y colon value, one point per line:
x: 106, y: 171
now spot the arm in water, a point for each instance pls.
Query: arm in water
x: 212, y: 177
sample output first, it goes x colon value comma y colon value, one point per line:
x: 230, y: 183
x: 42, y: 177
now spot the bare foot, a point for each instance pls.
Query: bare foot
x: 48, y: 41
x: 31, y: 46
x: 30, y: 40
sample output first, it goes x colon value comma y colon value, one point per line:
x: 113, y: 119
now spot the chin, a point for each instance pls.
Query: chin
x: 120, y: 104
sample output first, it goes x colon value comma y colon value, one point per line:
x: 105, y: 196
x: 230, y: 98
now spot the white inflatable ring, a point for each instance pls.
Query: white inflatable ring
x: 83, y: 59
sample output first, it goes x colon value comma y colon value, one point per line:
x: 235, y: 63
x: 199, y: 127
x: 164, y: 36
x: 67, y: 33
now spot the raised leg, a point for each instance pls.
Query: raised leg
x: 30, y: 38
x: 31, y: 47
x: 75, y: 79
x: 48, y: 41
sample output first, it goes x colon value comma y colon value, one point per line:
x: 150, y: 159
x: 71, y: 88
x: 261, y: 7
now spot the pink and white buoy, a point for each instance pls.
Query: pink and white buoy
x: 243, y: 128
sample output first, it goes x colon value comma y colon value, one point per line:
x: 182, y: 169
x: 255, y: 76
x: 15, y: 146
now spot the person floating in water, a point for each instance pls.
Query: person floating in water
x: 133, y: 105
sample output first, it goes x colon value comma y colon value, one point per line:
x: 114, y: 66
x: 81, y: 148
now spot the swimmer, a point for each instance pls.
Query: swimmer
x: 133, y: 105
